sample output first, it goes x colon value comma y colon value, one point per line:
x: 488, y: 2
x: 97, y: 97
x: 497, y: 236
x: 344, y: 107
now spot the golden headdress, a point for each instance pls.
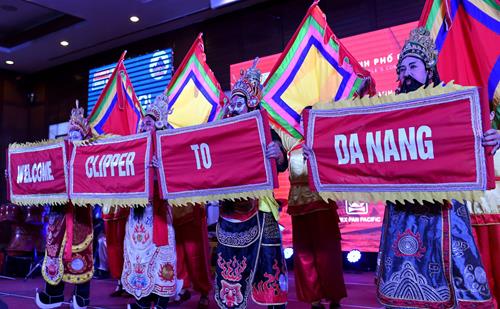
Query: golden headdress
x: 420, y: 45
x: 158, y: 110
x: 78, y: 122
x: 249, y: 86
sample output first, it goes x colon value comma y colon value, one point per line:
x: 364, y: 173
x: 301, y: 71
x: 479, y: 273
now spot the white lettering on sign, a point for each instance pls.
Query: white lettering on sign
x: 410, y: 144
x: 38, y: 172
x: 121, y: 165
x: 202, y: 151
x: 360, y: 219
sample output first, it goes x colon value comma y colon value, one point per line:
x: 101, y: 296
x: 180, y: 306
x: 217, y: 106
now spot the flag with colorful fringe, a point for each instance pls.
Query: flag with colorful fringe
x: 118, y: 111
x: 466, y: 33
x: 314, y: 67
x: 195, y: 96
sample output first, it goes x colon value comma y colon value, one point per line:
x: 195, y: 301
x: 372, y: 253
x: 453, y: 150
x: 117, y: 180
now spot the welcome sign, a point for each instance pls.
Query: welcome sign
x: 37, y: 173
x: 425, y: 145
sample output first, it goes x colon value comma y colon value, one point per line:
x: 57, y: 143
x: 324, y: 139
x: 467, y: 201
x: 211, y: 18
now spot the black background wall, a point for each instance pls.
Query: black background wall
x: 260, y: 30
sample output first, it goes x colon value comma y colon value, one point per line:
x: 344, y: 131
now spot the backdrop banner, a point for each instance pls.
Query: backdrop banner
x: 224, y: 159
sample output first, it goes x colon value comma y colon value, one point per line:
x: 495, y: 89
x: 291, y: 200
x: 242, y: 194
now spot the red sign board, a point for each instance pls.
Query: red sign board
x: 406, y: 146
x: 222, y: 158
x: 37, y: 174
x: 111, y: 170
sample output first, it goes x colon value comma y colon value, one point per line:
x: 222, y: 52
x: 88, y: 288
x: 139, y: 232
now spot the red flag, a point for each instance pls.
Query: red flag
x: 466, y: 33
x: 118, y: 110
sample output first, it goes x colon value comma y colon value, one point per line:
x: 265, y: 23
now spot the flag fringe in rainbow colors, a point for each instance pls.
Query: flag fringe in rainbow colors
x: 314, y: 67
x: 466, y: 33
x: 117, y: 111
x: 194, y: 94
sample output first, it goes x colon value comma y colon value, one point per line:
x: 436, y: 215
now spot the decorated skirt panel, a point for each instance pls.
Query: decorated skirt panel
x: 52, y: 267
x: 82, y: 228
x: 249, y: 263
x: 469, y: 276
x: 414, y: 266
x: 148, y: 268
x: 80, y: 268
x: 428, y: 258
x: 270, y: 283
x: 237, y: 251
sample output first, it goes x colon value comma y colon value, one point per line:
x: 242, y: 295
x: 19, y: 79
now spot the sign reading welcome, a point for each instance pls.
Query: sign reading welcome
x: 37, y: 173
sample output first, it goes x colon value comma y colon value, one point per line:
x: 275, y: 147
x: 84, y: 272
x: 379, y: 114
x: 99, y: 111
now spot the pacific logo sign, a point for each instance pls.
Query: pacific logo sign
x: 158, y: 66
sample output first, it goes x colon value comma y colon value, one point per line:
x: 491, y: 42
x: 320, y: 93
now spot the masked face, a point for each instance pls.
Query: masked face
x: 75, y: 135
x: 412, y: 74
x: 147, y: 124
x: 237, y: 106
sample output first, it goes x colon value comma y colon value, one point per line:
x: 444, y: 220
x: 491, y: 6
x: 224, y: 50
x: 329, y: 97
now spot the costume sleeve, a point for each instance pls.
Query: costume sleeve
x: 284, y: 165
x: 287, y: 140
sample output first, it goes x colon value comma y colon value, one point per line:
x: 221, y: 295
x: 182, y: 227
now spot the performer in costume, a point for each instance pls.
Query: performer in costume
x: 149, y: 268
x: 68, y: 253
x: 191, y: 236
x: 428, y: 257
x: 115, y: 221
x: 249, y: 253
x: 317, y: 260
x: 485, y: 215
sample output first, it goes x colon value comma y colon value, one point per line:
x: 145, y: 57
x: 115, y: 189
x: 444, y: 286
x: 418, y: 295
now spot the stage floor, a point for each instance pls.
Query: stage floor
x: 20, y: 294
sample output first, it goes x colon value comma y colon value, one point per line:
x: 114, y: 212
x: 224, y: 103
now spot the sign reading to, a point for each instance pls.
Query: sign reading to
x: 222, y: 159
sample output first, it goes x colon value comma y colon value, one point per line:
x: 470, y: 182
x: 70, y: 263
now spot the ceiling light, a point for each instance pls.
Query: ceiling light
x: 10, y: 62
x: 64, y: 43
x: 134, y: 19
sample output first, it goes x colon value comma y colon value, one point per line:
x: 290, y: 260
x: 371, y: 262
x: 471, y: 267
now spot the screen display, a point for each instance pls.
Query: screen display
x: 150, y: 75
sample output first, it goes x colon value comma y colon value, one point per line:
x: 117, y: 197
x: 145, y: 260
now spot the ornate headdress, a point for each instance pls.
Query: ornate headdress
x: 420, y: 45
x: 158, y: 110
x: 78, y: 122
x: 249, y: 86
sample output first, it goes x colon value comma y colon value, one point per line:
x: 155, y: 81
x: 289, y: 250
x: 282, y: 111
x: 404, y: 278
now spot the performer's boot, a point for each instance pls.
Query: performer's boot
x: 203, y: 302
x: 161, y: 302
x: 52, y: 297
x: 317, y: 305
x: 143, y: 303
x: 81, y: 298
x: 119, y: 291
x: 184, y: 295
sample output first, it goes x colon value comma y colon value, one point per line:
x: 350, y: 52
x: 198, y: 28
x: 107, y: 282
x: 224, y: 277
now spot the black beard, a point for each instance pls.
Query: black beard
x: 414, y: 85
x: 231, y: 114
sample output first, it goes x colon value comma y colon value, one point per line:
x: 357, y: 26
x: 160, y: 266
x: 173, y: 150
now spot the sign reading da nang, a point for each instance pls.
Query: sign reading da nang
x: 150, y: 75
